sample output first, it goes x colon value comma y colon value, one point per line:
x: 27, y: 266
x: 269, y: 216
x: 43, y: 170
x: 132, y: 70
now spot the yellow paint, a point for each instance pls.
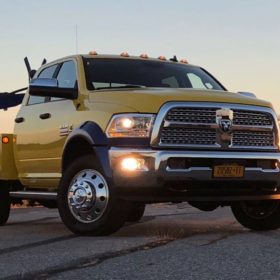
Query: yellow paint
x: 39, y: 146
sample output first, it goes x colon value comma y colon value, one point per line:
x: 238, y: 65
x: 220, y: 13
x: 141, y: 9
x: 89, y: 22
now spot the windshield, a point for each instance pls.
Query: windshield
x: 110, y: 73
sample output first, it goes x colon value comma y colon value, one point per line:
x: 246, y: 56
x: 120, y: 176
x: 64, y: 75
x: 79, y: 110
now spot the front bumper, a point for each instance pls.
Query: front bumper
x: 161, y: 177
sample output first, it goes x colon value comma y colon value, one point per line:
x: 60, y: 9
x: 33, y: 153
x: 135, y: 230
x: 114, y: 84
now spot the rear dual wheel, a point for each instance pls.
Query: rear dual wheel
x: 87, y: 203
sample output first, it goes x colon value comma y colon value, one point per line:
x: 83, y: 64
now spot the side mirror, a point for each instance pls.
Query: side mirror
x: 247, y: 94
x: 49, y: 88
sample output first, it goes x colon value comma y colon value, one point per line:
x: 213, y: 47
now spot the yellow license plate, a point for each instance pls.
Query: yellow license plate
x: 228, y: 171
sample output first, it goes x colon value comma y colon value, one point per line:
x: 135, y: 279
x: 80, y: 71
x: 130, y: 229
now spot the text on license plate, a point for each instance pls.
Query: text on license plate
x: 228, y: 171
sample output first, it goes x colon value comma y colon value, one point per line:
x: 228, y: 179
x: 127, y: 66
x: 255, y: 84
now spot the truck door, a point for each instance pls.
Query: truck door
x: 42, y: 126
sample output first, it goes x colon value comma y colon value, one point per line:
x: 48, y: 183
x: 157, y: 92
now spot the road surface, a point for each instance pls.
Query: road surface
x: 172, y: 241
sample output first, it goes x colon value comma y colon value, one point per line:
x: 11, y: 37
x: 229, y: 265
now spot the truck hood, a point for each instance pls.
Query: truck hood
x: 150, y: 100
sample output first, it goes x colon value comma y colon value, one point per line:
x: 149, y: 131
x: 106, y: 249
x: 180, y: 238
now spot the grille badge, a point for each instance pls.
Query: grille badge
x: 224, y: 118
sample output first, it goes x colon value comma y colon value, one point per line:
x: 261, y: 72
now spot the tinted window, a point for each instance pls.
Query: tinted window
x: 67, y: 75
x: 170, y: 82
x: 197, y: 82
x: 121, y: 73
x: 47, y: 72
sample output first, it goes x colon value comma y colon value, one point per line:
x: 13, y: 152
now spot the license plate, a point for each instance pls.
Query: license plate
x: 228, y: 171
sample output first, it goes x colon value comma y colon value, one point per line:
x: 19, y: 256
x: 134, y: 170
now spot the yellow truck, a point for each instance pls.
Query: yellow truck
x: 101, y: 136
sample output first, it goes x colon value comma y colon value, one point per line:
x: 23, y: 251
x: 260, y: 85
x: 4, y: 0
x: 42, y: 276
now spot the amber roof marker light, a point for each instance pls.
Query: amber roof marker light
x: 144, y: 55
x: 162, y: 57
x: 93, y: 53
x: 125, y: 54
x: 184, y: 61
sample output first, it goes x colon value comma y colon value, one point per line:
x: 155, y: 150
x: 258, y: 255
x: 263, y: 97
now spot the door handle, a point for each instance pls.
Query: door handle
x: 19, y: 120
x: 45, y: 116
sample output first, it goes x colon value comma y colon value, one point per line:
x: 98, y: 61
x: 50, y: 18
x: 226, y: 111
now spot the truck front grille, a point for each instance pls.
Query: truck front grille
x: 242, y: 117
x: 192, y: 115
x: 188, y: 136
x: 208, y: 116
x: 255, y: 139
x: 250, y: 127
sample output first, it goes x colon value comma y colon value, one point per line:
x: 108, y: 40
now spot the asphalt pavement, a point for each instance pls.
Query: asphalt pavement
x: 172, y: 241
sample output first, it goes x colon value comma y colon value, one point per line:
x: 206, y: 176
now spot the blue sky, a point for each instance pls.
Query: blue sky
x: 238, y: 41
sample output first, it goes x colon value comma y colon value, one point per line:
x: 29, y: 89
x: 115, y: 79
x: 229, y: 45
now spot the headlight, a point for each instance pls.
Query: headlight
x: 130, y: 125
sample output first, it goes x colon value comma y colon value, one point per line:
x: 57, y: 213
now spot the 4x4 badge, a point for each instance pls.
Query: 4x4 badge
x: 65, y: 129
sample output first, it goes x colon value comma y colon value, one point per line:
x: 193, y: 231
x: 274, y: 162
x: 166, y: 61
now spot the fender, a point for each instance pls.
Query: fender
x: 94, y: 135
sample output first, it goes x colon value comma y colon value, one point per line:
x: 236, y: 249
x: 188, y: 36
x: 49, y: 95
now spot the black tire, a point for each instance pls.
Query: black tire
x: 5, y: 205
x: 111, y: 217
x: 51, y: 204
x: 258, y: 215
x: 134, y: 211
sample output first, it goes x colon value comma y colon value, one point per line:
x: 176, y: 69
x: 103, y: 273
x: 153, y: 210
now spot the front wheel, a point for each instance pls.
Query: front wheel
x: 87, y: 203
x: 5, y: 205
x: 258, y: 215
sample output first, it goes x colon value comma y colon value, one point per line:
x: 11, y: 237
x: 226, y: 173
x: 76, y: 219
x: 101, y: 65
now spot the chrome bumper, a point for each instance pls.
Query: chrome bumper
x: 158, y: 171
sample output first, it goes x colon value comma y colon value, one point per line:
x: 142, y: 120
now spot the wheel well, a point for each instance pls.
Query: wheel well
x: 76, y: 147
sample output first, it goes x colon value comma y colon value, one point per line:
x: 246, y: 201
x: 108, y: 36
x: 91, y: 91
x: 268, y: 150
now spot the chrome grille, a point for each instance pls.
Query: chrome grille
x: 208, y: 116
x: 251, y: 118
x: 192, y: 115
x: 188, y: 136
x: 256, y: 139
x: 184, y: 125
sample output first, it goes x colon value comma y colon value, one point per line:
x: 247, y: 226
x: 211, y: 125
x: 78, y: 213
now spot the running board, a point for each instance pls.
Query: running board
x: 34, y: 195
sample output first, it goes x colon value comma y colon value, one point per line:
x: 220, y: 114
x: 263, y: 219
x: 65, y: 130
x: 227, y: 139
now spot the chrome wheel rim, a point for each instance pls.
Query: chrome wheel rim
x: 88, y: 196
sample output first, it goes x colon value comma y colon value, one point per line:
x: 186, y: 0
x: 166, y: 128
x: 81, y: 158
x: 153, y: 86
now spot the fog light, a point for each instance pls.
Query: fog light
x: 134, y: 164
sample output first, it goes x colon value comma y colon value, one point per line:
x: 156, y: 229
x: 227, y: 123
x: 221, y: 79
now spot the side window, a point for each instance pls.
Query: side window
x: 67, y: 75
x: 45, y: 73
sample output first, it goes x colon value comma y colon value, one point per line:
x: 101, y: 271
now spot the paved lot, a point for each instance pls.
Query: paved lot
x: 170, y: 242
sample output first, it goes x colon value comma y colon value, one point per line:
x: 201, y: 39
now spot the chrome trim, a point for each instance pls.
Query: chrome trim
x: 34, y: 195
x: 158, y: 170
x: 160, y: 122
x: 168, y: 169
x: 216, y: 126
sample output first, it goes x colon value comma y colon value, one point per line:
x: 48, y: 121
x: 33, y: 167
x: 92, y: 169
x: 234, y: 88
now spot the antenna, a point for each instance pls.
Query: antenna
x: 76, y: 38
x: 174, y: 59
